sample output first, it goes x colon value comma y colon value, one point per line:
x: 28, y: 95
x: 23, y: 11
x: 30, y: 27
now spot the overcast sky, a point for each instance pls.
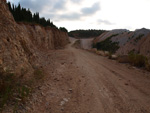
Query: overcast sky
x: 92, y: 14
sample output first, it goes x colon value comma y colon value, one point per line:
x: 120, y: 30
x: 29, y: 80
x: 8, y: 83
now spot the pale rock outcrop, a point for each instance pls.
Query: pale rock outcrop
x: 137, y: 41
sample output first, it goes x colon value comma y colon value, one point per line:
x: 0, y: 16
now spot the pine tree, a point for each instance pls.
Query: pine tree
x: 23, y: 15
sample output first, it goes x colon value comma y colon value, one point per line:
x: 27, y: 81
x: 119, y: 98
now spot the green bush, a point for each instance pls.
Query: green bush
x: 108, y: 45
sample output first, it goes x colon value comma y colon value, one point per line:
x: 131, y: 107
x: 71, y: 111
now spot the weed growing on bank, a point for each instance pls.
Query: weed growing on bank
x: 13, y: 90
x: 137, y: 60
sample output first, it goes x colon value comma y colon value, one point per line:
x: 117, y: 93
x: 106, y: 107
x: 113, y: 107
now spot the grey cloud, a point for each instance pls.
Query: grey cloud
x: 34, y: 5
x: 91, y: 10
x: 56, y: 5
x: 72, y: 16
x: 84, y: 12
x: 104, y: 22
x: 76, y: 1
x: 38, y: 5
x: 59, y: 5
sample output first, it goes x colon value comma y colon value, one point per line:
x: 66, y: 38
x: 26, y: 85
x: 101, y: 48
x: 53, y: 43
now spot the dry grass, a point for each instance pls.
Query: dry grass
x: 135, y: 60
x: 138, y: 60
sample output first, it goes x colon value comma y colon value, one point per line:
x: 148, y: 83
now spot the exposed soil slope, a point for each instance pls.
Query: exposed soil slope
x: 137, y: 41
x: 20, y: 43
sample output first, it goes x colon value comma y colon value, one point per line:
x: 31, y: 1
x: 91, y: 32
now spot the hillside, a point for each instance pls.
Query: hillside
x: 137, y: 41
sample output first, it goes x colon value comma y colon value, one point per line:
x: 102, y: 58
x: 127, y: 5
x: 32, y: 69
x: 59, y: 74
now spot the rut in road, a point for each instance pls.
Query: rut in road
x: 78, y: 81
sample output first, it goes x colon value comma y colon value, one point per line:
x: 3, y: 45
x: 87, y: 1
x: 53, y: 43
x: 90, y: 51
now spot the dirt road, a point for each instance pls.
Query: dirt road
x: 78, y: 81
x: 84, y: 43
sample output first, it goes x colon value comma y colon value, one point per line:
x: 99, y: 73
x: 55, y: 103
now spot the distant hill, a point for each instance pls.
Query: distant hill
x: 85, y: 33
x: 137, y: 41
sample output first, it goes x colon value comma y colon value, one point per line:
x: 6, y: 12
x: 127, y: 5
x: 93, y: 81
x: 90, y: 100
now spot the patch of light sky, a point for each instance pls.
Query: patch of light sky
x: 112, y: 14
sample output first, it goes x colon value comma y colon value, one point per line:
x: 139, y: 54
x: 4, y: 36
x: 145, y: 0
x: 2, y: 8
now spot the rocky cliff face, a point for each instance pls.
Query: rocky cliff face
x: 44, y: 37
x: 20, y: 43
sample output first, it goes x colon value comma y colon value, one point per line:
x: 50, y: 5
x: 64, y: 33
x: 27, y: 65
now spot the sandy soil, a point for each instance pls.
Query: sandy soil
x: 78, y: 81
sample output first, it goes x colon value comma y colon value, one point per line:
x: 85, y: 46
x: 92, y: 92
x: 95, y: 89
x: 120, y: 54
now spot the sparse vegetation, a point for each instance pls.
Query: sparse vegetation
x: 108, y: 45
x: 135, y: 59
x: 138, y: 60
x: 129, y: 32
x: 138, y: 38
x: 38, y: 74
x: 130, y: 38
x: 12, y: 89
